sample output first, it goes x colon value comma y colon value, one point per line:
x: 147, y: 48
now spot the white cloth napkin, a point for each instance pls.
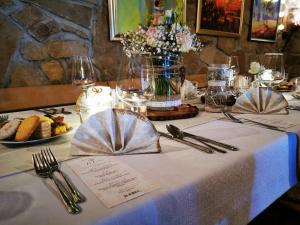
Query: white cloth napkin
x: 115, y: 132
x: 261, y: 101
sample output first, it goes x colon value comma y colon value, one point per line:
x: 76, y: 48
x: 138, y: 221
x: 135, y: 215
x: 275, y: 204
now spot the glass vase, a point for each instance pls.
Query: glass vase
x: 167, y: 75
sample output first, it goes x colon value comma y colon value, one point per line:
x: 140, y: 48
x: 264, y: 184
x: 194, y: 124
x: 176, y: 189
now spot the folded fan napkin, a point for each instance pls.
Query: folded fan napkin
x: 115, y: 132
x: 261, y: 101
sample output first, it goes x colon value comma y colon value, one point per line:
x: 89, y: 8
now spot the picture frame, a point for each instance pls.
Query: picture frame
x: 264, y: 20
x: 220, y: 17
x: 127, y: 15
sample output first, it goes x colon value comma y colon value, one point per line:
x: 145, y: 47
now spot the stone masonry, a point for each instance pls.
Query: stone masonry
x: 38, y: 37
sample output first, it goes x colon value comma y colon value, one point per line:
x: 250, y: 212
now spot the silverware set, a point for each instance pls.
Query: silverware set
x: 3, y: 118
x: 45, y: 164
x: 53, y: 111
x: 250, y: 122
x: 296, y: 97
x: 208, y: 145
x: 297, y: 108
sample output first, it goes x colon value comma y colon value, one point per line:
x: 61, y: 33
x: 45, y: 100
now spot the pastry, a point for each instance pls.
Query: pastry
x: 43, y: 130
x: 9, y: 129
x: 27, y: 127
x: 60, y: 129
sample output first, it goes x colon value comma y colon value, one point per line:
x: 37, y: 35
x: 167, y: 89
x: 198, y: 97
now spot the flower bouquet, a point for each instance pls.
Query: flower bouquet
x: 162, y: 41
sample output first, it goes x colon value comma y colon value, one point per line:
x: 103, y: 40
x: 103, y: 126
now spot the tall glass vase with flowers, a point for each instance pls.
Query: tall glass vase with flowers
x: 162, y: 43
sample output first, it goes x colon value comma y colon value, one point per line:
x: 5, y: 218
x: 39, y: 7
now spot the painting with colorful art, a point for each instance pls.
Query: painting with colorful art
x: 220, y: 17
x: 264, y: 20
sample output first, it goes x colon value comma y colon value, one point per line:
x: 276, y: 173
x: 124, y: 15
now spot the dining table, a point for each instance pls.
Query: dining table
x: 194, y: 187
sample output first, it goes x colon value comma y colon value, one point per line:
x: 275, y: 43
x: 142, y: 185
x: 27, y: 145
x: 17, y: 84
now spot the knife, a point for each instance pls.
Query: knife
x: 294, y: 108
x: 176, y: 132
x: 200, y: 138
x: 194, y: 145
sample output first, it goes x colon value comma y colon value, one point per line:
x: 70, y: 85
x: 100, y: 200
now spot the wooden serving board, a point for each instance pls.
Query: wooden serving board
x: 180, y: 112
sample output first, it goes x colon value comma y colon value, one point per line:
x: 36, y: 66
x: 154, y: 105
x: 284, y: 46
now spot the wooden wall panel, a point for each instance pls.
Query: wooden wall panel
x: 14, y: 99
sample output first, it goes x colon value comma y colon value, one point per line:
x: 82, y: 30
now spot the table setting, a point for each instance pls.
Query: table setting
x: 142, y: 153
x: 215, y: 133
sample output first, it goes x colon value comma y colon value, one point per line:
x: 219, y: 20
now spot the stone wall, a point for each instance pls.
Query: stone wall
x: 38, y: 37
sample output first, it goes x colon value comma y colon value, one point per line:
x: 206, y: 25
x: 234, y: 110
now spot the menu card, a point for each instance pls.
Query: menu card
x: 112, y: 181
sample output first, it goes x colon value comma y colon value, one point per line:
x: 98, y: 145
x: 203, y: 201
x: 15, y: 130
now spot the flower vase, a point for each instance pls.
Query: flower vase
x: 168, y: 74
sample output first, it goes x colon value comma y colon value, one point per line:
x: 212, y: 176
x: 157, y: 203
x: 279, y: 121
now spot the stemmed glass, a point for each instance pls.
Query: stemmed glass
x: 233, y: 62
x: 83, y: 74
x: 274, y: 69
x: 135, y: 83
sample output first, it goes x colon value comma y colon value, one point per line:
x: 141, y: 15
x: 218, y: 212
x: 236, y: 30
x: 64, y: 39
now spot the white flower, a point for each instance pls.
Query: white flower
x: 162, y: 38
x: 168, y: 13
x: 255, y: 68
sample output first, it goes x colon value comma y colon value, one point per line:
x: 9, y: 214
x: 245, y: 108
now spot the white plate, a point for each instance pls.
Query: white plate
x: 34, y: 141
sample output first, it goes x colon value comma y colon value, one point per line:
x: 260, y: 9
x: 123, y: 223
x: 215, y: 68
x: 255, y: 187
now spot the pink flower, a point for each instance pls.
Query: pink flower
x: 185, y: 40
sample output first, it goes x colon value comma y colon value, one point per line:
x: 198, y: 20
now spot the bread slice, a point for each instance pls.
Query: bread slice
x: 27, y: 127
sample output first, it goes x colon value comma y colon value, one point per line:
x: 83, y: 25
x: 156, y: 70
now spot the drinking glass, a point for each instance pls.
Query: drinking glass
x: 274, y: 69
x: 233, y: 62
x: 83, y: 76
x: 135, y: 84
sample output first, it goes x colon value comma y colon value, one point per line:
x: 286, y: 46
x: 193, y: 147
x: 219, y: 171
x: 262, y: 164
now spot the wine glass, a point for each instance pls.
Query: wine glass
x: 233, y: 62
x: 83, y: 74
x: 274, y: 72
x: 135, y: 84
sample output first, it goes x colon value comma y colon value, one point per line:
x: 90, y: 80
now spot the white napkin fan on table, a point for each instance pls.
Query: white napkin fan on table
x: 261, y: 101
x: 115, y: 132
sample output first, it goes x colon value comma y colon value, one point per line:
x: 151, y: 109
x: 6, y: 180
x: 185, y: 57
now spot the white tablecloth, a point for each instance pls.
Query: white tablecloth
x: 195, y: 187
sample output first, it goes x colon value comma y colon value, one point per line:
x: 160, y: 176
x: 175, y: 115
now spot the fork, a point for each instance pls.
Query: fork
x: 51, y: 160
x: 3, y: 118
x: 43, y: 169
x: 296, y: 97
x: 236, y: 120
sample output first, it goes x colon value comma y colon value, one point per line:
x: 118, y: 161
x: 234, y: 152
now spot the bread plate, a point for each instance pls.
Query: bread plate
x: 34, y: 141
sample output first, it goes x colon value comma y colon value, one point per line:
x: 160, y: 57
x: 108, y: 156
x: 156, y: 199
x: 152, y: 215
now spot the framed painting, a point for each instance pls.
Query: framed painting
x: 127, y: 15
x: 220, y: 17
x: 264, y: 20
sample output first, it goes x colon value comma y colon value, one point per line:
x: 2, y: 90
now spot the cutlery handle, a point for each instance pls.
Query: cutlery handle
x: 212, y: 147
x: 71, y: 206
x: 294, y: 108
x: 200, y: 138
x: 194, y: 145
x: 264, y: 125
x: 76, y: 195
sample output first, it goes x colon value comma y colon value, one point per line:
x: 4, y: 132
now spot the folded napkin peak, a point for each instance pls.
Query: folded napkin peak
x: 261, y: 100
x: 115, y: 132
